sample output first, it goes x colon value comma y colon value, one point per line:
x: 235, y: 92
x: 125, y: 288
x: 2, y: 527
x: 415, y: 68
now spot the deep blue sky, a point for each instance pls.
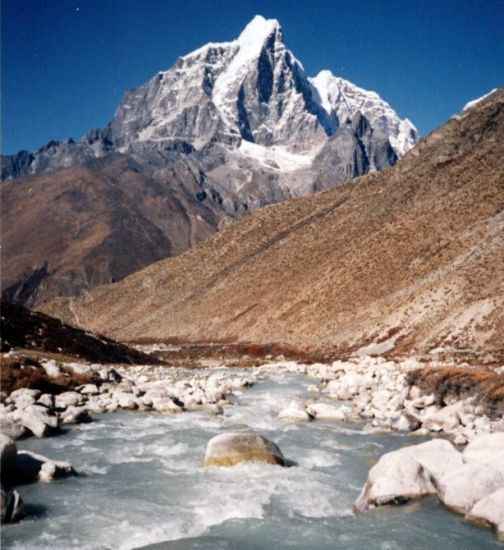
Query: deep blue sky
x: 66, y: 63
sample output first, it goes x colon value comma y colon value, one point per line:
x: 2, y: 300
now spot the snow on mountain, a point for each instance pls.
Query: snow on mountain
x: 249, y: 46
x: 253, y: 90
x: 474, y: 102
x: 275, y: 157
x: 341, y: 99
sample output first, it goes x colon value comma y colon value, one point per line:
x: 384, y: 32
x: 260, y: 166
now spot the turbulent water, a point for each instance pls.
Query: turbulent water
x: 145, y: 484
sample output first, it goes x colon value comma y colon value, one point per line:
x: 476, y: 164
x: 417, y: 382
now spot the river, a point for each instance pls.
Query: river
x: 145, y: 484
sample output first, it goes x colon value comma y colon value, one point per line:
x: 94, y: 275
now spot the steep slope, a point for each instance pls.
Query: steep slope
x: 65, y: 233
x: 411, y: 258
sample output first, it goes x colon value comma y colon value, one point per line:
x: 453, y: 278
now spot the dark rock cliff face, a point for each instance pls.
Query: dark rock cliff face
x: 228, y: 129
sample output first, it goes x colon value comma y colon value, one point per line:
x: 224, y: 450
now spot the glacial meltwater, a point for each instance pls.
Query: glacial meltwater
x: 145, y: 484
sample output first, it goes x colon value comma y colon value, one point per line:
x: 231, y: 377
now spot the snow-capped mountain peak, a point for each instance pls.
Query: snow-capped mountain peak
x: 251, y: 89
x: 253, y: 36
x: 252, y: 41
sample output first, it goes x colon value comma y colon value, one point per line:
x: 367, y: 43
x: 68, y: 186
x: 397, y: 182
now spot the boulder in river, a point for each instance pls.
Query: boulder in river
x: 8, y: 455
x: 32, y: 467
x: 460, y: 489
x: 487, y: 449
x: 229, y: 449
x: 12, y: 508
x: 11, y: 426
x: 296, y: 412
x: 38, y: 420
x: 325, y: 411
x: 490, y: 510
x: 407, y: 473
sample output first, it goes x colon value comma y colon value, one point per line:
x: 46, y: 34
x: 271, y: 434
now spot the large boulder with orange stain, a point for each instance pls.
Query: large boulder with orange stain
x: 230, y: 449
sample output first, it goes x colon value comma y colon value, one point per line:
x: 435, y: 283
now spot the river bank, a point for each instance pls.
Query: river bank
x: 210, y: 401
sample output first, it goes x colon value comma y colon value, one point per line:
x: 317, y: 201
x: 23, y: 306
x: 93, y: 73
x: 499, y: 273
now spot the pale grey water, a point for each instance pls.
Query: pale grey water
x: 145, y: 484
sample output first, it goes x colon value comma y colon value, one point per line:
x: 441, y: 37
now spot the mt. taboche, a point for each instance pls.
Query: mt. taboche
x: 231, y: 127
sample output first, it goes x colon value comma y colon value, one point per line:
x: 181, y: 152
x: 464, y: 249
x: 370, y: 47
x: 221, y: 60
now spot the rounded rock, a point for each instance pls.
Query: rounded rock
x: 229, y: 449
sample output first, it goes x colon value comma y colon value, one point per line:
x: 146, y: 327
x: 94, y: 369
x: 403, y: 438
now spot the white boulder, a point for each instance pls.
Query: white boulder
x: 295, y: 411
x: 461, y: 488
x: 325, y: 411
x: 490, y: 510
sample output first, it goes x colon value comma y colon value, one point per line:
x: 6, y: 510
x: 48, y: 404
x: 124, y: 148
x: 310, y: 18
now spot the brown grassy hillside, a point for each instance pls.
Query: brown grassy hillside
x: 408, y: 259
x: 69, y: 231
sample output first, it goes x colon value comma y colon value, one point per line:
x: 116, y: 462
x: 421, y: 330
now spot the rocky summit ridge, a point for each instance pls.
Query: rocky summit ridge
x: 251, y: 89
x: 229, y: 128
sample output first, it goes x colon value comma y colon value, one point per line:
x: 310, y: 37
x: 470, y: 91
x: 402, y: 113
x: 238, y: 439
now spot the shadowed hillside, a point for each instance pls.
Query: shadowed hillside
x: 67, y: 232
x: 36, y: 332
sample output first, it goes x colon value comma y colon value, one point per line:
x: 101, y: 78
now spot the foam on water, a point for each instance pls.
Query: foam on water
x: 146, y: 484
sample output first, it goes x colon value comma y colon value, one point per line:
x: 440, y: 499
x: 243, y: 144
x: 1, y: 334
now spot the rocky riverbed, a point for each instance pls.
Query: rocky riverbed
x: 369, y: 395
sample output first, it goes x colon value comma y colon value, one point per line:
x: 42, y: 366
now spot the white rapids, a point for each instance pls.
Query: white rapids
x: 145, y: 484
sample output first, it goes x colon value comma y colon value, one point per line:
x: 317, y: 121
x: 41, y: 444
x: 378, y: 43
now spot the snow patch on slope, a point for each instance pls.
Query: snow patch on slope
x: 275, y: 156
x: 476, y: 101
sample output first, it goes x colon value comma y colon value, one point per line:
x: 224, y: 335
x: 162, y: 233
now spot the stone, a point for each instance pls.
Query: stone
x: 51, y: 368
x: 109, y: 374
x: 151, y: 395
x: 8, y: 455
x: 445, y: 419
x: 459, y: 489
x: 166, y: 405
x: 438, y: 455
x: 295, y: 411
x: 126, y: 400
x: 229, y: 449
x: 38, y: 420
x: 312, y: 389
x: 25, y: 397
x: 12, y: 508
x: 325, y: 411
x: 460, y: 439
x: 395, y: 479
x: 80, y: 368
x: 89, y: 389
x: 75, y: 415
x: 490, y: 510
x: 11, y: 426
x: 214, y: 396
x: 408, y: 473
x: 213, y: 409
x: 68, y: 399
x: 95, y: 406
x: 414, y: 392
x: 16, y: 394
x: 486, y: 449
x: 46, y: 400
x: 405, y: 423
x: 32, y: 467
